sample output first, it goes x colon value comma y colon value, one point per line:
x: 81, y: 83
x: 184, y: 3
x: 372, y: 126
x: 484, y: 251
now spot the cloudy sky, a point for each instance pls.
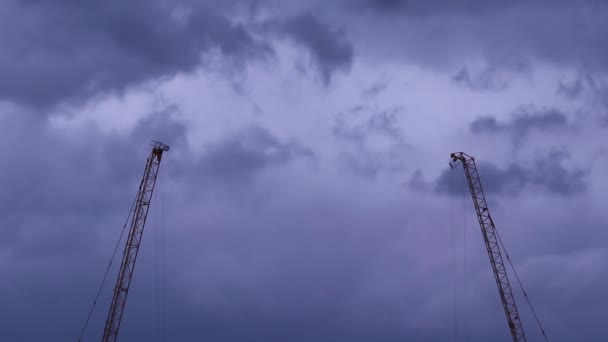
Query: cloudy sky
x: 307, y: 194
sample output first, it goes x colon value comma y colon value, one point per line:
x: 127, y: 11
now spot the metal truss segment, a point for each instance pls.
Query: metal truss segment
x: 488, y: 230
x: 138, y: 221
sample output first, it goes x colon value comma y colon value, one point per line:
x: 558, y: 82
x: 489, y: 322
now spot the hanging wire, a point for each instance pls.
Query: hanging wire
x: 105, y: 276
x: 159, y: 264
x: 163, y: 241
x: 160, y: 269
x: 455, y: 338
x: 466, y: 284
x: 522, y: 288
x: 162, y: 263
x: 156, y: 275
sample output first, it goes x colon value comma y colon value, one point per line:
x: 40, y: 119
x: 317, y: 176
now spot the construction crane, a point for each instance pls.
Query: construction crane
x: 138, y: 221
x: 490, y: 236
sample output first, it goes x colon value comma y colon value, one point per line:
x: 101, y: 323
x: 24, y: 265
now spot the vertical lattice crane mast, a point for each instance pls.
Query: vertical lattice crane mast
x: 138, y: 221
x: 488, y: 229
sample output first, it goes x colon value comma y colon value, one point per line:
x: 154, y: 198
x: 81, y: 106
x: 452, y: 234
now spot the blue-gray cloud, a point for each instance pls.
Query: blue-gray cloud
x: 491, y: 78
x: 418, y: 7
x: 71, y: 50
x: 522, y: 123
x: 358, y: 129
x: 434, y: 27
x: 328, y: 46
x: 591, y: 89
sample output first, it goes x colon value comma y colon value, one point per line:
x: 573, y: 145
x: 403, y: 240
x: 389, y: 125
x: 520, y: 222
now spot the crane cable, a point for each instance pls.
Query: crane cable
x: 454, y: 304
x: 156, y: 277
x: 464, y: 218
x: 466, y: 283
x: 522, y: 288
x: 159, y: 264
x: 105, y: 276
x: 163, y: 262
x: 160, y: 269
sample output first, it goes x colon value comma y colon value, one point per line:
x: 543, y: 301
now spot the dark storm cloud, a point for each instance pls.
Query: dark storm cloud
x: 328, y: 46
x: 438, y: 33
x: 546, y: 174
x: 417, y: 7
x: 238, y: 157
x: 522, y: 123
x: 58, y: 50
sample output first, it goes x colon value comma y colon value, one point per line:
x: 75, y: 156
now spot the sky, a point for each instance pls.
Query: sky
x: 307, y: 194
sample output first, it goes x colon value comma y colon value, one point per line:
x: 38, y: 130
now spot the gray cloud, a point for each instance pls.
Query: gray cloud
x: 546, y: 174
x: 564, y: 33
x: 491, y: 78
x: 591, y: 89
x: 240, y: 156
x: 374, y: 143
x: 375, y: 89
x: 328, y: 46
x: 522, y: 123
x: 418, y: 7
x: 584, y: 83
x: 384, y: 122
x: 417, y: 181
x: 571, y: 90
x: 71, y: 50
x: 483, y: 81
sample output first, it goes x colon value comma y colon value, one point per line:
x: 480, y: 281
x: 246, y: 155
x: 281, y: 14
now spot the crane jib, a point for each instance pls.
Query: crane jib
x: 491, y: 239
x: 138, y: 221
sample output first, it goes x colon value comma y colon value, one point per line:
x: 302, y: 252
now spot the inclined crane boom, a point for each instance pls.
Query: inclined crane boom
x: 138, y: 221
x: 488, y: 230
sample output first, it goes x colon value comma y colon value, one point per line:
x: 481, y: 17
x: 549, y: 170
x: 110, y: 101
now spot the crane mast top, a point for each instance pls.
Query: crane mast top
x: 138, y: 221
x: 492, y: 242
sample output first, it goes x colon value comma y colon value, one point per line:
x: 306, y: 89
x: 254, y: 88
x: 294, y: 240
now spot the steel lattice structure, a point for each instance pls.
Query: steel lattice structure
x: 140, y: 213
x: 488, y: 229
